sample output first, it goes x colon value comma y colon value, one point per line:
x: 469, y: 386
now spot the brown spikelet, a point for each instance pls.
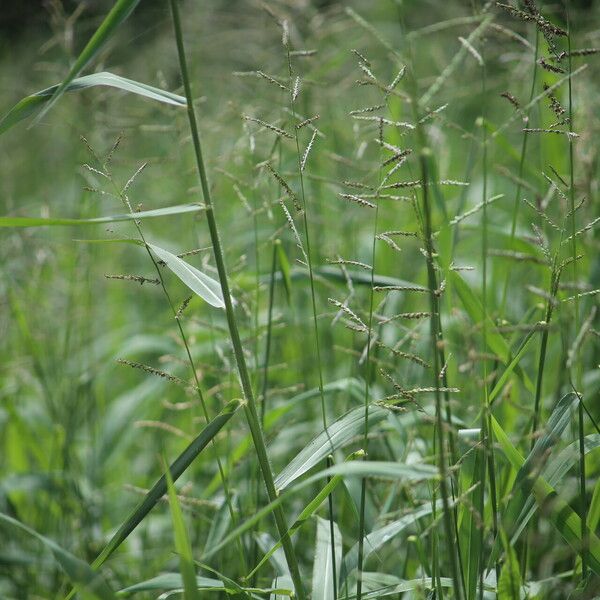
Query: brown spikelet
x: 152, y: 371
x: 136, y: 278
x: 550, y: 67
x: 511, y: 99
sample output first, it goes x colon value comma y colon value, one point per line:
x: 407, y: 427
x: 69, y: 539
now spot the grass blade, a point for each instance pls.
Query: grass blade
x: 81, y: 575
x: 323, y: 568
x: 177, y: 468
x: 117, y: 15
x: 208, y: 289
x: 338, y: 433
x: 145, y: 214
x: 30, y: 104
x: 182, y: 544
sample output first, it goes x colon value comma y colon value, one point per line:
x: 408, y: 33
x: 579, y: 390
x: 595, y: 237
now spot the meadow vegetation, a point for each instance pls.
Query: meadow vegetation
x: 300, y: 299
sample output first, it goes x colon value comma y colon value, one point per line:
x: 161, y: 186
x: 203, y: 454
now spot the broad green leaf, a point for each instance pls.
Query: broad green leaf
x: 337, y: 435
x: 182, y: 543
x: 30, y: 104
x: 322, y: 576
x: 208, y: 289
x: 117, y: 15
x: 81, y: 575
x: 146, y: 214
x: 158, y: 490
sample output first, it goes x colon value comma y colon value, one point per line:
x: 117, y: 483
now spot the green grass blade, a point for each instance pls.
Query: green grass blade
x: 81, y: 575
x: 207, y: 288
x: 117, y: 15
x: 338, y: 433
x: 509, y: 584
x: 323, y: 568
x: 31, y: 104
x: 146, y: 214
x: 177, y: 468
x: 284, y: 268
x: 510, y: 367
x: 182, y: 544
x: 562, y: 516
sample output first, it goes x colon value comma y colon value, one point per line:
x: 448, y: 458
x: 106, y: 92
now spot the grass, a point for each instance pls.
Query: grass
x: 348, y: 293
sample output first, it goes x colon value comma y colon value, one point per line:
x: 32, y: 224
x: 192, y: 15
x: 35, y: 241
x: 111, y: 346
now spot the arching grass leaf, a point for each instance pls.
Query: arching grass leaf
x: 30, y: 104
x: 208, y: 289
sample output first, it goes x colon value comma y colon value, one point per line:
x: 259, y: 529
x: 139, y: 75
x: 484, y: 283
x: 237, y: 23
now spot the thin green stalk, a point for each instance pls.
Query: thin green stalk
x: 250, y: 406
x: 515, y: 211
x: 312, y: 294
x: 449, y: 529
x: 363, y: 486
x: 577, y: 362
x: 486, y: 413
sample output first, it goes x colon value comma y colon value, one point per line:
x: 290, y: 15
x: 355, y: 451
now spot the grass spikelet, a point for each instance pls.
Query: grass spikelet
x: 401, y: 288
x: 346, y: 310
x: 352, y: 263
x: 272, y: 80
x: 405, y: 355
x: 569, y: 134
x: 368, y: 109
x: 307, y: 151
x: 284, y: 184
x: 389, y: 241
x: 152, y: 371
x: 550, y: 67
x: 183, y: 306
x: 307, y: 122
x: 292, y: 226
x: 357, y: 200
x: 270, y: 126
x: 296, y: 90
x: 511, y: 99
x: 137, y: 278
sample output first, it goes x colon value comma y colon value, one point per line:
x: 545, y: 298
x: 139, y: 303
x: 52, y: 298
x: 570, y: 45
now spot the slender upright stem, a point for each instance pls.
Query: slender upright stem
x: 250, y: 405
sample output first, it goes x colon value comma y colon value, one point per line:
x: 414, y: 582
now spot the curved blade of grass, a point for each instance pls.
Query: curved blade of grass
x: 509, y: 584
x: 31, y: 104
x: 117, y: 15
x: 177, y: 468
x: 284, y: 267
x: 170, y: 582
x: 562, y: 516
x: 496, y: 343
x: 81, y: 575
x: 553, y: 473
x: 387, y: 470
x: 208, y: 289
x: 145, y: 214
x: 182, y: 543
x: 349, y: 385
x: 323, y: 568
x: 377, y: 538
x: 308, y: 511
x: 510, y: 367
x: 338, y: 433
